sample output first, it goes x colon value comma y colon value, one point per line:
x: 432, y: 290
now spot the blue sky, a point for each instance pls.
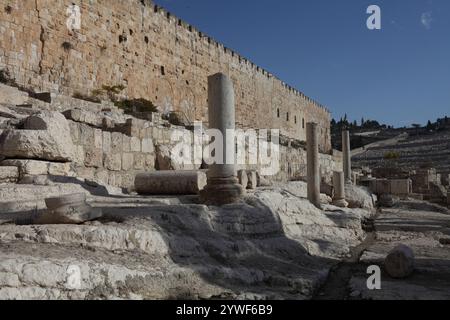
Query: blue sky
x: 398, y: 75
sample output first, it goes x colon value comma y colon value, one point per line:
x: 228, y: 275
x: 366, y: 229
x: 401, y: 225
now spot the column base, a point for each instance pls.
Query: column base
x: 341, y: 203
x: 221, y: 191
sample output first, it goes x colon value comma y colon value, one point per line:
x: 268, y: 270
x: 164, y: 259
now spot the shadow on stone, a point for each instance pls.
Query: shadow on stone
x: 242, y: 248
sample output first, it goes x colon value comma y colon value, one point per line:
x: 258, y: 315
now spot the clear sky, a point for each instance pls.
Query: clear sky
x: 398, y: 75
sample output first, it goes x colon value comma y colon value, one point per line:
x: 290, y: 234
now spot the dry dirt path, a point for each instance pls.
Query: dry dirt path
x: 423, y: 227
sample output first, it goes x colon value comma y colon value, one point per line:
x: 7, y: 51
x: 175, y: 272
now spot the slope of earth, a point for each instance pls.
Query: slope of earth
x: 431, y: 150
x: 426, y: 229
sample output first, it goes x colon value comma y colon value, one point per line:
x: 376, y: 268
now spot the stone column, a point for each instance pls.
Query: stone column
x: 339, y: 190
x: 347, y: 160
x: 223, y: 186
x: 170, y: 182
x: 313, y: 173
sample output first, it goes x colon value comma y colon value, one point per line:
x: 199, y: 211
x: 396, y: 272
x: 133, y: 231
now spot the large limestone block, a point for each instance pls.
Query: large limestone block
x: 401, y: 186
x: 358, y: 197
x: 6, y: 112
x: 166, y: 161
x: 9, y: 174
x: 11, y: 95
x: 71, y: 199
x: 170, y: 182
x: 46, y: 137
x: 399, y: 263
x: 84, y: 116
x: 35, y: 167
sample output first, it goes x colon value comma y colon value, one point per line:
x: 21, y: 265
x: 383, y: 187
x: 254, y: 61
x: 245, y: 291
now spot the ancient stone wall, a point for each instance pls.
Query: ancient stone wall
x: 151, y: 52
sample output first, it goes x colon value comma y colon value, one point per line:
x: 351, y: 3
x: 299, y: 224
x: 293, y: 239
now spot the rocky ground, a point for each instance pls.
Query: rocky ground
x: 274, y: 244
x: 423, y: 227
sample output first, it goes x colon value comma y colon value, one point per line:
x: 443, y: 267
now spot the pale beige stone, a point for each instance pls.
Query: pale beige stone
x: 135, y: 144
x: 147, y: 146
x: 127, y: 161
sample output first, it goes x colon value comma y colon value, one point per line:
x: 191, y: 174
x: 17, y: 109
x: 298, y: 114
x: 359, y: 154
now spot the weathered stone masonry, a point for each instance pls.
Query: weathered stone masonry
x: 154, y: 54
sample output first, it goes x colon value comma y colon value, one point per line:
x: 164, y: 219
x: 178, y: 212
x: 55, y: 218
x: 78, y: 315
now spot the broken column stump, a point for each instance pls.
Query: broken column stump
x: 68, y: 209
x: 252, y: 180
x: 339, y: 190
x: 243, y: 178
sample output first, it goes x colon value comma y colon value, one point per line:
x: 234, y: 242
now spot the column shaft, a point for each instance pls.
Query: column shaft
x: 346, y: 156
x: 313, y: 166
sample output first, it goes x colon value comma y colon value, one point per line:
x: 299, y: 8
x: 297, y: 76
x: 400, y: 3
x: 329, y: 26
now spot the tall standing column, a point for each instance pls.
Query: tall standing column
x: 313, y: 173
x: 223, y: 186
x: 347, y: 160
x: 339, y: 190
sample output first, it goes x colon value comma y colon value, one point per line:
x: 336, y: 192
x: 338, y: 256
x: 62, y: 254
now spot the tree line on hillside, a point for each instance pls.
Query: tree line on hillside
x: 364, y: 125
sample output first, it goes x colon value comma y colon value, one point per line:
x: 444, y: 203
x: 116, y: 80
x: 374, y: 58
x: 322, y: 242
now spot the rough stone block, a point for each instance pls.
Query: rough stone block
x: 106, y: 142
x: 73, y: 199
x: 46, y: 136
x: 11, y: 95
x: 98, y: 139
x: 139, y: 161
x: 401, y: 186
x: 86, y: 135
x: 126, y: 143
x: 74, y: 132
x: 135, y: 144
x: 127, y: 161
x: 9, y: 174
x: 101, y: 176
x: 28, y: 167
x: 116, y: 142
x: 380, y: 186
x: 84, y: 116
x: 113, y: 161
x: 115, y: 179
x: 59, y: 169
x: 133, y: 126
x: 93, y: 158
x: 149, y: 162
x: 147, y: 145
x: 80, y: 155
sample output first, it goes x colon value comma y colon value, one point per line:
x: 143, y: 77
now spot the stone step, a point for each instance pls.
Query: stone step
x: 12, y: 95
x: 9, y: 174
